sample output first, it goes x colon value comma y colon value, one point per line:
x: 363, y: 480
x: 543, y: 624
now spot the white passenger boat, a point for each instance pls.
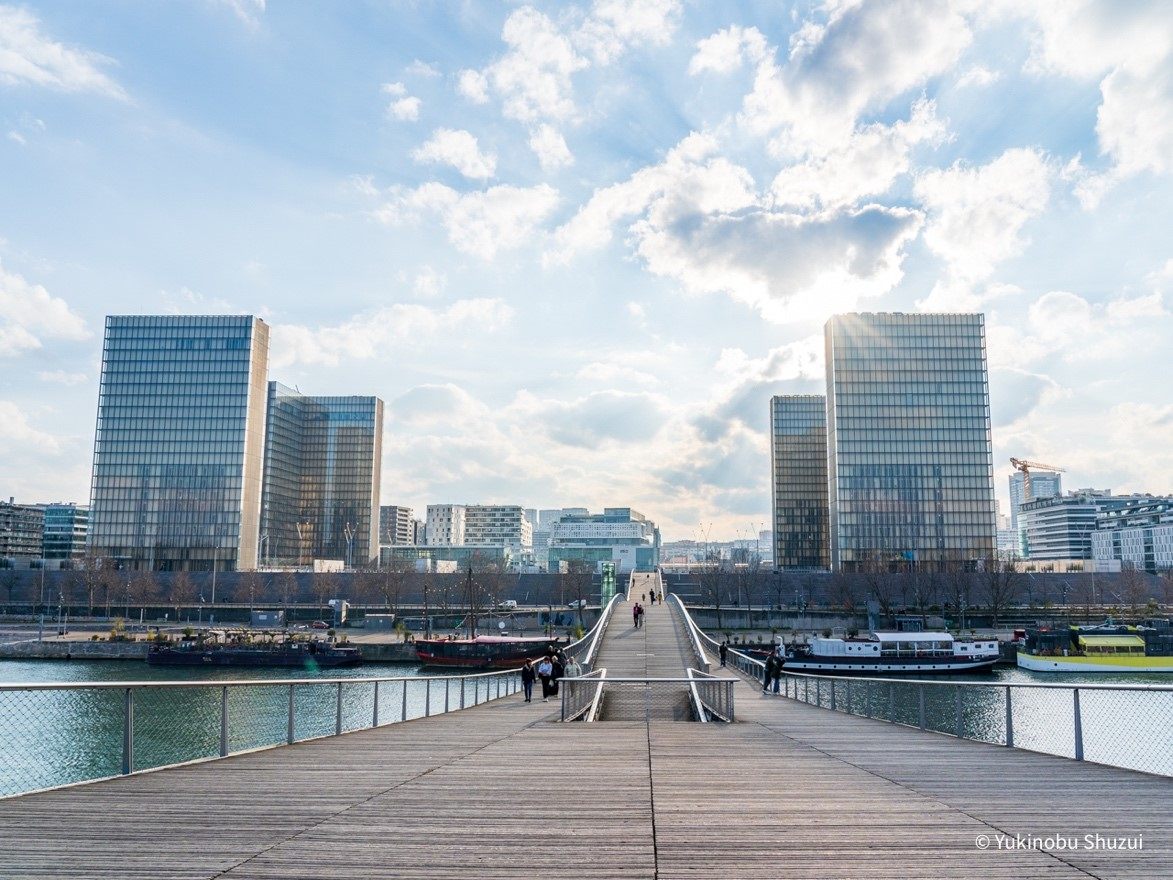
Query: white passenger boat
x: 894, y: 653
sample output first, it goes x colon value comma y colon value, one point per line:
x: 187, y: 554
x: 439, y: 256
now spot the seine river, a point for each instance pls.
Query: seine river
x: 53, y: 737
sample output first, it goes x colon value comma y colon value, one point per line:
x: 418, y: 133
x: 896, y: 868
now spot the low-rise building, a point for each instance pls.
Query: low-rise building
x: 65, y: 530
x: 463, y: 555
x: 1060, y: 527
x: 1137, y: 535
x: 618, y: 534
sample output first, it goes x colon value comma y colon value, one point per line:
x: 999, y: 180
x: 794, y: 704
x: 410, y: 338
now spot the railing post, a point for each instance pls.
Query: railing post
x: 447, y: 693
x: 462, y: 693
x: 289, y: 723
x: 427, y: 698
x: 920, y: 698
x: 833, y: 683
x: 338, y: 711
x: 223, y: 720
x: 375, y: 712
x: 958, y: 730
x: 867, y: 699
x: 1078, y: 726
x: 891, y: 700
x: 806, y: 690
x: 819, y: 692
x: 847, y: 687
x: 403, y: 710
x: 127, y: 731
x: 1009, y: 720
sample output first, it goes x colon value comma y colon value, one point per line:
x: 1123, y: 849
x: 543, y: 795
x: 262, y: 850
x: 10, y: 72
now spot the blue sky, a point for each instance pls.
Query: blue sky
x: 576, y: 247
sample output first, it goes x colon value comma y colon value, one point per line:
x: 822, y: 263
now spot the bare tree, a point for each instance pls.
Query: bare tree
x: 959, y: 590
x: 90, y: 567
x: 578, y: 580
x: 392, y: 582
x: 1133, y: 588
x: 287, y: 588
x: 1001, y: 583
x: 842, y: 593
x: 142, y: 589
x: 111, y: 582
x: 324, y: 586
x: 427, y: 586
x: 880, y: 584
x: 713, y: 577
x: 9, y: 581
x: 251, y: 585
x: 1167, y: 585
x: 182, y: 592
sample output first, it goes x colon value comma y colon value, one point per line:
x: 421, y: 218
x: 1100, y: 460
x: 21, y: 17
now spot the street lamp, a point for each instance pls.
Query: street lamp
x: 348, y: 532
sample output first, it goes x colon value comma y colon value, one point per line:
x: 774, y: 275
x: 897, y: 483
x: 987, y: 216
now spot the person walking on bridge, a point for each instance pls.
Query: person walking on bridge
x: 724, y: 651
x: 546, y: 674
x: 527, y: 680
x: 773, y: 670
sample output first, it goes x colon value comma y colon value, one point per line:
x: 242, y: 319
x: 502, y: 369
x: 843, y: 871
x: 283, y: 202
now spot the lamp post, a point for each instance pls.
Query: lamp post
x: 348, y: 532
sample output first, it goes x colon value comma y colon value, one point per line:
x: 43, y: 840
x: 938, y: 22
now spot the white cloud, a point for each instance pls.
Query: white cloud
x: 550, y: 148
x: 29, y: 57
x: 17, y: 434
x: 383, y: 332
x: 250, y: 12
x: 478, y: 223
x: 866, y: 164
x: 698, y: 220
x: 976, y: 217
x: 977, y: 76
x: 61, y: 377
x: 726, y: 50
x: 403, y: 107
x: 613, y: 373
x: 459, y: 149
x: 422, y: 68
x: 473, y: 85
x: 864, y: 56
x: 28, y: 314
x: 599, y: 417
x: 1129, y: 45
x: 429, y: 283
x: 613, y: 26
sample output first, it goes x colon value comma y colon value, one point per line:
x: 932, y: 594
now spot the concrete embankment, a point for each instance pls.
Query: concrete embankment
x: 58, y: 649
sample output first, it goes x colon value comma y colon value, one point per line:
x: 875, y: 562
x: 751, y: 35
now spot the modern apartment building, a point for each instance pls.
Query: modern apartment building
x: 322, y: 472
x: 798, y: 447
x: 1061, y: 527
x: 66, y: 528
x: 445, y: 525
x: 1043, y: 484
x: 909, y: 467
x: 618, y: 534
x: 22, y: 530
x: 502, y: 525
x: 395, y: 525
x: 179, y: 445
x: 1139, y: 535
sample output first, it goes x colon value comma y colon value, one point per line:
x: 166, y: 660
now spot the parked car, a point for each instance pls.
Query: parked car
x: 319, y: 624
x: 577, y: 603
x: 508, y: 604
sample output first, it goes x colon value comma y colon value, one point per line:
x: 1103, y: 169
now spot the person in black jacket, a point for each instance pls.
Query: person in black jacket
x: 528, y: 674
x: 774, y: 665
x: 724, y: 651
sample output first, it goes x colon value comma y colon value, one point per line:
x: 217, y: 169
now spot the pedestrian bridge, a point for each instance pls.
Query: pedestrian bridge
x: 787, y: 789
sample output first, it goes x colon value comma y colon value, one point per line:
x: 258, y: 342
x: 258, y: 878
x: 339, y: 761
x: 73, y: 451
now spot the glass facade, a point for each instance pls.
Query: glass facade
x: 179, y: 442
x: 799, y: 457
x: 322, y: 472
x: 66, y: 526
x: 910, y: 468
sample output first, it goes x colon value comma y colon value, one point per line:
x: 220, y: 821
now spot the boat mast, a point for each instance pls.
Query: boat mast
x: 472, y: 614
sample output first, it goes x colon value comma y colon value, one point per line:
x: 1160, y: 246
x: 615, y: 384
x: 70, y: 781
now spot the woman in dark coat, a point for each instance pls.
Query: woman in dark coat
x: 546, y: 673
x: 527, y: 680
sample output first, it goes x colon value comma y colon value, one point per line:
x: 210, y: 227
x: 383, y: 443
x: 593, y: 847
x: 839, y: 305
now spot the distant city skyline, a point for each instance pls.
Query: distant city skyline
x: 576, y: 276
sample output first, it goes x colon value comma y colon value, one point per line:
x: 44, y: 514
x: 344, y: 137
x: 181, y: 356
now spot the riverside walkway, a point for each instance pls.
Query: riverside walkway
x: 504, y: 791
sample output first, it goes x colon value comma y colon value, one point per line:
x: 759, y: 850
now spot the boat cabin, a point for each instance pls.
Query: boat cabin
x: 1115, y: 645
x: 915, y: 644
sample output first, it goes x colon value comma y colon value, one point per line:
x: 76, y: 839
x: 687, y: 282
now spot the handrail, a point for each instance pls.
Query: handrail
x: 697, y: 704
x: 743, y: 662
x: 593, y: 711
x: 593, y: 637
x: 693, y: 632
x: 1062, y: 686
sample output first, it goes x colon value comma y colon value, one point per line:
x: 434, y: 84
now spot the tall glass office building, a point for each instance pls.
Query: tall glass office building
x: 180, y: 442
x: 798, y: 448
x: 910, y: 469
x: 322, y: 472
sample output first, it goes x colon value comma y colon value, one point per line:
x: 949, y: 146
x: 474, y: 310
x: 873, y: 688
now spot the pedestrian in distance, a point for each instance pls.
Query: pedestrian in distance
x: 560, y: 661
x: 573, y: 668
x: 724, y: 651
x: 528, y: 674
x: 642, y: 611
x: 643, y: 597
x: 773, y: 670
x: 635, y: 615
x: 545, y: 672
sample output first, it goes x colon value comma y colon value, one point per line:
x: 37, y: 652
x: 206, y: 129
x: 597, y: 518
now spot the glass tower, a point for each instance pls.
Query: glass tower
x: 179, y: 442
x: 909, y: 460
x: 322, y: 472
x: 798, y: 447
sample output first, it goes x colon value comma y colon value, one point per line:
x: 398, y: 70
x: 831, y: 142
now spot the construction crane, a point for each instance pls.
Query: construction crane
x: 1024, y: 466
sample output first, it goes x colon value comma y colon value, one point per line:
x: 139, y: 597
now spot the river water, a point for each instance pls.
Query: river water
x: 54, y: 737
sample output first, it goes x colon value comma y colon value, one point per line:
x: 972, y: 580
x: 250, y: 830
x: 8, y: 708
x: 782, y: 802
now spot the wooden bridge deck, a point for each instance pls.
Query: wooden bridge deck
x: 503, y: 791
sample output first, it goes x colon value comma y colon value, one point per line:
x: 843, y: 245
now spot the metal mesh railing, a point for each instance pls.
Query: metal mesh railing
x: 1127, y: 726
x: 57, y: 734
x: 599, y: 697
x: 586, y: 649
x: 580, y: 696
x: 1123, y: 725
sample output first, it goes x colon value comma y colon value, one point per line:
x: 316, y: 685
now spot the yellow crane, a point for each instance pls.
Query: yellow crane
x: 1024, y: 466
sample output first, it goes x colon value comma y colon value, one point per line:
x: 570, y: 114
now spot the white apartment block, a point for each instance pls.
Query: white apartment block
x: 499, y: 525
x: 446, y: 525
